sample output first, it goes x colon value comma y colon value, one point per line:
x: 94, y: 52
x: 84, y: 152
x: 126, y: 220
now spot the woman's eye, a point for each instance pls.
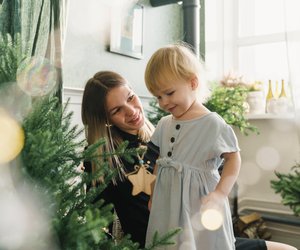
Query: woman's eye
x: 130, y: 98
x: 170, y: 93
x: 115, y: 111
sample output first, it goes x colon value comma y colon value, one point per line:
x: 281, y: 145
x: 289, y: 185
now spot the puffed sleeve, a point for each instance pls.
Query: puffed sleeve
x: 226, y: 141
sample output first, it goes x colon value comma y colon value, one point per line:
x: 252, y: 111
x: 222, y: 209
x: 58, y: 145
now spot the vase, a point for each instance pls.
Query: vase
x: 256, y: 102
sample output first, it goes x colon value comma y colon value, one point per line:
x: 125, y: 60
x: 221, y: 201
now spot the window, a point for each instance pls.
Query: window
x: 249, y: 38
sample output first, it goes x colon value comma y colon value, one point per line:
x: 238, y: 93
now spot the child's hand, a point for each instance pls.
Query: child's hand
x: 214, y: 200
x: 212, y: 210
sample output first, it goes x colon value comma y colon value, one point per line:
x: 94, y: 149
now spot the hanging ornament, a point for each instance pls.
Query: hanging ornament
x: 141, y: 178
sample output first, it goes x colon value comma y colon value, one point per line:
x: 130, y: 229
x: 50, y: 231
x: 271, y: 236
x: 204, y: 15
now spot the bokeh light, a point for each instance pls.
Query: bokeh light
x: 11, y: 138
x: 212, y: 219
x: 36, y: 76
x: 267, y: 158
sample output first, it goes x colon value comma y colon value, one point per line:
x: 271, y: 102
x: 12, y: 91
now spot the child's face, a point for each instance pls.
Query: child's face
x: 125, y: 109
x: 177, y: 97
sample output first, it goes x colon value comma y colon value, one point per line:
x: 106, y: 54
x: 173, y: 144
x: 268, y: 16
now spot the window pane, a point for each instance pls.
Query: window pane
x: 211, y: 20
x: 263, y: 62
x: 258, y: 17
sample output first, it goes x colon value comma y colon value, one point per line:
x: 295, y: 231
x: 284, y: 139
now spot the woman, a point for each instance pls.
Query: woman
x: 111, y: 110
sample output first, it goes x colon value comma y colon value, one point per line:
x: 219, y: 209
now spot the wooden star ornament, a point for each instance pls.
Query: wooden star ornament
x: 141, y: 178
x: 141, y: 181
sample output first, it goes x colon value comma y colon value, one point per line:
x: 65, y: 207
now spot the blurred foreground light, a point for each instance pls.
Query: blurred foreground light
x: 24, y: 221
x: 11, y: 138
x: 36, y: 76
x: 212, y: 219
x: 268, y: 158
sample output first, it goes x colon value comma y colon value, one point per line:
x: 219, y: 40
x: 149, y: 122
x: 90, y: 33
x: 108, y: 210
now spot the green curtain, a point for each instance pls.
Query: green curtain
x: 41, y: 26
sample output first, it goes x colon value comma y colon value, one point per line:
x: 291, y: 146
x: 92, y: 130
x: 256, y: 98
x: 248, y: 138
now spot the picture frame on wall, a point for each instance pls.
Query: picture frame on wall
x: 126, y: 37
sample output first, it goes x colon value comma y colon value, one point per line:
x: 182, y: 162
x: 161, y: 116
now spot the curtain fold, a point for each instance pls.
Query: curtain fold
x: 41, y: 25
x: 292, y: 36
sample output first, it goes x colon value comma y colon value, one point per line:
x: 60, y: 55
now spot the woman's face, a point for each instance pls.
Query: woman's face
x: 124, y: 109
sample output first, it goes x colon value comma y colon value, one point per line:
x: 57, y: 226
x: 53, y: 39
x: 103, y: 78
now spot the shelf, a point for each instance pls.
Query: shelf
x: 270, y: 116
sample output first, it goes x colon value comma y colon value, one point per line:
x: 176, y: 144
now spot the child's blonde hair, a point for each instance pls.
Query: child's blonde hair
x: 174, y: 62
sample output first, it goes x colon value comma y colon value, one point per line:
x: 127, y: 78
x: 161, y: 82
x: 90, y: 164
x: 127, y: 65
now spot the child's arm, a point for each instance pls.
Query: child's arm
x: 230, y: 172
x: 231, y: 168
x: 152, y: 187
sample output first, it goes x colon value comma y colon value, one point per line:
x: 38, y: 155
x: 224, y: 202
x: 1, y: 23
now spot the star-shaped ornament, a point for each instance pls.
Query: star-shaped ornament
x: 141, y: 181
x: 141, y: 178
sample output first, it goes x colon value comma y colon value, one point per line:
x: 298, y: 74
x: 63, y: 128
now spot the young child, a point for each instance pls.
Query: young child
x: 193, y: 143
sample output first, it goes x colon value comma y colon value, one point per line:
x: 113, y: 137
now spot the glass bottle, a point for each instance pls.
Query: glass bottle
x: 276, y: 93
x: 269, y: 98
x: 282, y: 93
x: 270, y: 92
x: 283, y: 102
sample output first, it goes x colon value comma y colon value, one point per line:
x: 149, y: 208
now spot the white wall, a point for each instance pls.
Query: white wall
x: 87, y: 37
x: 276, y: 148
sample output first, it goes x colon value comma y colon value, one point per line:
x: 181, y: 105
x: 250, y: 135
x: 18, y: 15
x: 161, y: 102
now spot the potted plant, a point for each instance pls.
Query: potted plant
x: 255, y: 98
x: 288, y: 186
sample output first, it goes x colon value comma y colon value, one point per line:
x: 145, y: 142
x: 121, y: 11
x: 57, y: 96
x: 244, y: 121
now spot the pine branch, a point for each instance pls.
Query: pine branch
x: 10, y: 57
x: 163, y: 240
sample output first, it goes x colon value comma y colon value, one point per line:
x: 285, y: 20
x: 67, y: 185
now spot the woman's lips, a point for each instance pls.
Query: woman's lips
x: 136, y: 119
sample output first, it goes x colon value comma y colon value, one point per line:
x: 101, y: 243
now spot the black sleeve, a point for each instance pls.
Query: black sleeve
x: 154, y: 150
x: 88, y: 168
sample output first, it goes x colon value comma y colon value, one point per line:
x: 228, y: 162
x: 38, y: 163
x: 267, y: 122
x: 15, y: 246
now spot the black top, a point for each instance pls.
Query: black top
x: 132, y: 210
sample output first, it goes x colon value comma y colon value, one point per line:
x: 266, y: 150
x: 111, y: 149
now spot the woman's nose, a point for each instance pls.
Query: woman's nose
x: 130, y: 110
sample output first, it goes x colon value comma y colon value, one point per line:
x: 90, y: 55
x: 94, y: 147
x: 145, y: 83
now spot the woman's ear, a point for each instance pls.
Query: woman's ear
x: 194, y: 83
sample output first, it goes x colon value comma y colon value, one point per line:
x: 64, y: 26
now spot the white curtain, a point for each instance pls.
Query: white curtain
x: 292, y: 31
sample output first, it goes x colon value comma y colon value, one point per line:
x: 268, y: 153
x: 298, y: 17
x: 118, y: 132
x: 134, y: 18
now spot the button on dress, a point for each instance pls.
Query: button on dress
x: 187, y: 171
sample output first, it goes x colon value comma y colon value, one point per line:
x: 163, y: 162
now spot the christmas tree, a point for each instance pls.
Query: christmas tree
x: 49, y: 168
x: 50, y: 158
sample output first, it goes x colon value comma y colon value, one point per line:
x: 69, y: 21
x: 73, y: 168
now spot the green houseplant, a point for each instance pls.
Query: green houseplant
x: 229, y: 102
x: 288, y: 186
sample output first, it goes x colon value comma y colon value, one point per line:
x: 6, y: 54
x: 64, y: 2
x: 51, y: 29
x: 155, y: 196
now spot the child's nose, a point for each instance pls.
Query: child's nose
x: 163, y: 102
